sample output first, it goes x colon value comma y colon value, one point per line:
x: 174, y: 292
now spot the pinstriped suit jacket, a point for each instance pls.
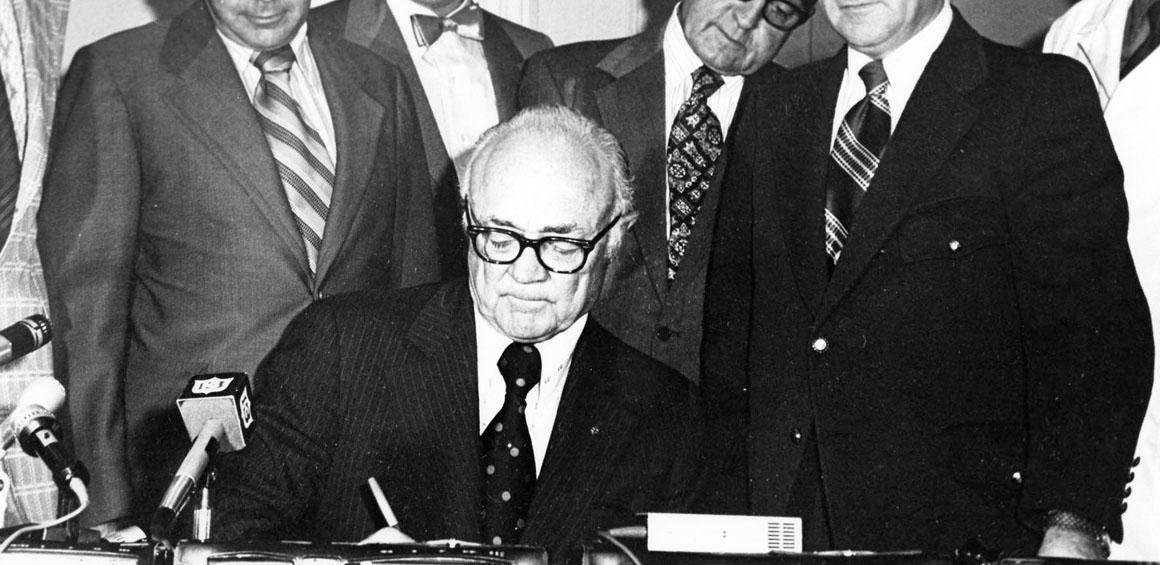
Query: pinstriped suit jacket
x: 384, y: 385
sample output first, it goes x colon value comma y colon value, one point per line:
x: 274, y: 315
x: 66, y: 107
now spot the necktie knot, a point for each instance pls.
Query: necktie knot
x: 520, y: 366
x: 275, y: 60
x: 873, y: 75
x: 466, y: 21
x: 706, y: 81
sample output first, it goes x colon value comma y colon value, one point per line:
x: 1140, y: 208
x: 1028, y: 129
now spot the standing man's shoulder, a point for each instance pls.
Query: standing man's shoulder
x: 527, y: 40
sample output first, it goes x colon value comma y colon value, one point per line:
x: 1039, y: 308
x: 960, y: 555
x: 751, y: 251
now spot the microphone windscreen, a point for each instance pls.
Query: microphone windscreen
x: 45, y: 392
x: 224, y: 397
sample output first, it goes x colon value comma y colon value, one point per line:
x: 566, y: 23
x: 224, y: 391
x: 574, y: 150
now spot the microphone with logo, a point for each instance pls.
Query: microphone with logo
x: 216, y: 412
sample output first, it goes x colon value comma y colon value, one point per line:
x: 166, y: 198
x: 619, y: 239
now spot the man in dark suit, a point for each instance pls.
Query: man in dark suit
x: 948, y: 340
x: 644, y: 89
x: 463, y: 81
x: 405, y: 386
x: 173, y: 233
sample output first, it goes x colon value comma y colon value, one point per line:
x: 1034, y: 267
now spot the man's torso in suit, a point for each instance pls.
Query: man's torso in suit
x: 1092, y: 32
x: 506, y: 45
x: 384, y: 385
x: 981, y: 353
x: 621, y: 85
x: 168, y: 242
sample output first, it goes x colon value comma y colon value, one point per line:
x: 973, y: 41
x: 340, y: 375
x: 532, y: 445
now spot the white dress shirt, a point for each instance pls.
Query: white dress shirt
x: 543, y: 399
x: 680, y: 62
x: 305, y: 84
x: 455, y: 79
x: 904, y: 67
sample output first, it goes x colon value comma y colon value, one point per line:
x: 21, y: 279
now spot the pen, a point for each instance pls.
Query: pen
x: 381, y: 500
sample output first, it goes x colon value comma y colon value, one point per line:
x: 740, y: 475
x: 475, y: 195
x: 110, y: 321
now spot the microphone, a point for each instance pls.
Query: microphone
x: 39, y: 434
x: 216, y: 412
x: 24, y: 337
x: 44, y: 394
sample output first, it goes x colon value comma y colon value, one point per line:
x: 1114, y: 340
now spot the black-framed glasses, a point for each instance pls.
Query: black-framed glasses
x: 786, y: 15
x: 563, y: 255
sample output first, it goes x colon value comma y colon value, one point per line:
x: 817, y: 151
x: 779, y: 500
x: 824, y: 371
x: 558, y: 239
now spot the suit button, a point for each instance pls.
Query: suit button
x: 1017, y: 477
x: 820, y: 345
x: 954, y: 245
x: 796, y: 436
x: 318, y: 295
x: 665, y: 333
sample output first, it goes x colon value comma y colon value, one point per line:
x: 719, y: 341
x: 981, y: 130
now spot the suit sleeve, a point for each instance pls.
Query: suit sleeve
x: 415, y: 251
x: 268, y: 489
x: 87, y: 229
x: 1087, y: 332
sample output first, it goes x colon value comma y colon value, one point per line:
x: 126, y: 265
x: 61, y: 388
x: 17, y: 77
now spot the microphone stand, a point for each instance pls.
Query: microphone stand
x: 203, y: 509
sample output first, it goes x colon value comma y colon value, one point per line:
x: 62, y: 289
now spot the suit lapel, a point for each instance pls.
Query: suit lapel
x: 591, y: 426
x: 629, y: 108
x: 208, y: 96
x: 936, y: 117
x: 801, y: 190
x: 445, y: 332
x: 357, y: 116
x: 504, y: 63
x: 371, y: 23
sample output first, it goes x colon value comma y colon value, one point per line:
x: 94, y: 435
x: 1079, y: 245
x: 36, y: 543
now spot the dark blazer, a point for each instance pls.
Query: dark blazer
x: 384, y: 385
x: 621, y: 85
x: 982, y: 352
x: 169, y: 247
x: 506, y: 45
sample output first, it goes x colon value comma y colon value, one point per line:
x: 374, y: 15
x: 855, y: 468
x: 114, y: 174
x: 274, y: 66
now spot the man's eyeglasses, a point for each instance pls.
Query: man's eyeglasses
x: 563, y: 255
x: 785, y: 15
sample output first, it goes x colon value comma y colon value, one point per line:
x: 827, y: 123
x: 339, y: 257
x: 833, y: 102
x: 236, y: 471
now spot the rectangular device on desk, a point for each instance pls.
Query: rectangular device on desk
x: 718, y: 533
x: 292, y: 553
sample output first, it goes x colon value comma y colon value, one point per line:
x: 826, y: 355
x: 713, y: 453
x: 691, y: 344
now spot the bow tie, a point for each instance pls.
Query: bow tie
x: 467, y: 22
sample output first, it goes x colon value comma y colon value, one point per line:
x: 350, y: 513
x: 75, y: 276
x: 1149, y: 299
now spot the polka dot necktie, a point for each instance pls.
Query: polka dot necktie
x: 508, y: 465
x: 695, y: 142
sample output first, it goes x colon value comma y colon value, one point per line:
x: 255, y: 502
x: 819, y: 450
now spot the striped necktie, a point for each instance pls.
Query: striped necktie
x: 695, y: 142
x: 303, y: 164
x: 861, y: 139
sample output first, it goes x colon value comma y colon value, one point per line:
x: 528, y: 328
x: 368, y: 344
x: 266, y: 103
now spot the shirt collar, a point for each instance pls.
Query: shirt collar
x: 241, y: 54
x: 904, y: 65
x: 555, y: 352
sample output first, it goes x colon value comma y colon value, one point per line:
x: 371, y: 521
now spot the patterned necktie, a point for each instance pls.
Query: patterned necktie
x: 9, y: 165
x: 467, y: 22
x: 303, y: 164
x: 507, y: 462
x: 695, y: 142
x: 860, y: 141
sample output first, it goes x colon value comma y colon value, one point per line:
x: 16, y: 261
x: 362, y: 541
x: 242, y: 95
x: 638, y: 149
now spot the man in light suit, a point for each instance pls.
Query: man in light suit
x: 1116, y: 41
x: 185, y: 222
x: 948, y: 340
x: 405, y: 387
x: 636, y: 87
x: 463, y: 81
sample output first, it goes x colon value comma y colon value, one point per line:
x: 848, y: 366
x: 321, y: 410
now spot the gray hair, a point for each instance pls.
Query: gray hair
x: 565, y: 123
